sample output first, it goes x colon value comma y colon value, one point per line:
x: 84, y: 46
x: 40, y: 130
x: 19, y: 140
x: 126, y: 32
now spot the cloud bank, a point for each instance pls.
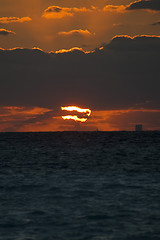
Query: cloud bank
x: 119, y: 82
x: 117, y: 76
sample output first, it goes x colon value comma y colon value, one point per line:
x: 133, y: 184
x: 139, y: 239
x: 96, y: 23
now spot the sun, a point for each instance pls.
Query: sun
x: 87, y: 112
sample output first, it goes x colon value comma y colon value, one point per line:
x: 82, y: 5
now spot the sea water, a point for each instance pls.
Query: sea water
x: 80, y: 186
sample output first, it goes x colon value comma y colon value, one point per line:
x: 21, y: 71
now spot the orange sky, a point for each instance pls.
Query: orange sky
x: 86, y: 24
x: 41, y: 119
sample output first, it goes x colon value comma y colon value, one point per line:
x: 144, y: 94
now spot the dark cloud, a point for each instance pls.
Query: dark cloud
x: 156, y: 23
x: 141, y: 43
x: 118, y: 76
x: 6, y: 32
x: 145, y: 4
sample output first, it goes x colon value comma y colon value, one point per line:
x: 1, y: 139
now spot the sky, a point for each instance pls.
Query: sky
x: 101, y: 55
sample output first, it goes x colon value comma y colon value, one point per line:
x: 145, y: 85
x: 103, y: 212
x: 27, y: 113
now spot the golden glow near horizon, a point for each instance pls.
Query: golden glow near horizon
x: 77, y: 109
x: 75, y: 117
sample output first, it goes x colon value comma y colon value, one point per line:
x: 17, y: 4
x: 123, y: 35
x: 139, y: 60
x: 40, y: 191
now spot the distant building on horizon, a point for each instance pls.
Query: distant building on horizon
x: 138, y: 128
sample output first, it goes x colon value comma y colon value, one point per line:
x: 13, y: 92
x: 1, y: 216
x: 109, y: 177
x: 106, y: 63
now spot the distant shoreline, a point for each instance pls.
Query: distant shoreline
x: 99, y: 131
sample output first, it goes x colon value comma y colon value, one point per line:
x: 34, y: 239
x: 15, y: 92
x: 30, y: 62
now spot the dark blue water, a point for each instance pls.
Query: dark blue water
x: 80, y: 186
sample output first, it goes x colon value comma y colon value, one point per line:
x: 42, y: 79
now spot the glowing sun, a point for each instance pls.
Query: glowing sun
x: 85, y: 111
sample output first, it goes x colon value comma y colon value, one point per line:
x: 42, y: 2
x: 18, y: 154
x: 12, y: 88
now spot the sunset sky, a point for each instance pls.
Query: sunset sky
x: 102, y: 55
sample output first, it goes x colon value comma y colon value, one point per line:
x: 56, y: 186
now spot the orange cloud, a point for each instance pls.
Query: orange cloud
x: 113, y: 8
x: 84, y: 9
x: 14, y: 19
x: 6, y: 32
x: 57, y: 12
x: 15, y: 118
x: 61, y: 12
x: 79, y: 32
x: 125, y: 119
x: 70, y: 50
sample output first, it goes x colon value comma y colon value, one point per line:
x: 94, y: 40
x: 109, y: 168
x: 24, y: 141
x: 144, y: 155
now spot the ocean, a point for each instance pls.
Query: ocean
x: 80, y: 186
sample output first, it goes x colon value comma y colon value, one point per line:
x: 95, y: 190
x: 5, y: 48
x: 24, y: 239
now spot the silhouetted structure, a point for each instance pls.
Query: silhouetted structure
x: 138, y: 128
